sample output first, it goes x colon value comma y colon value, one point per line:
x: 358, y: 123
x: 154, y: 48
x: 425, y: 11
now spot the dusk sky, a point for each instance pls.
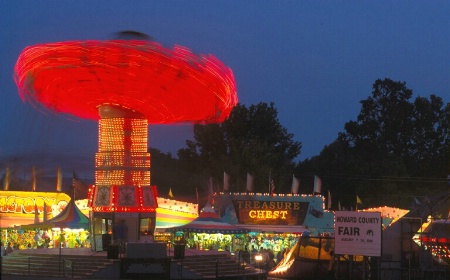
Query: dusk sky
x: 316, y: 60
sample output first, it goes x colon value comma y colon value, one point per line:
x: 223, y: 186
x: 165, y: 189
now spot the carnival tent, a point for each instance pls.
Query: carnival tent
x: 389, y: 215
x: 174, y: 213
x: 70, y: 217
x: 209, y: 222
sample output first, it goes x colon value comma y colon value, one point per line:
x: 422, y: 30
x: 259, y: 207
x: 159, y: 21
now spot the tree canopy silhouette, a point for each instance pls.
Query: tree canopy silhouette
x: 251, y: 140
x: 396, y: 146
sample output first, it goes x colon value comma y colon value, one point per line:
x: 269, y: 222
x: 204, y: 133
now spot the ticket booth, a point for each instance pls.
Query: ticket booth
x: 118, y: 221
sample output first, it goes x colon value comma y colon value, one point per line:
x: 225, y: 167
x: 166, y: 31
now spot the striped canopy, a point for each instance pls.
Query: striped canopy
x: 70, y: 217
x: 209, y: 222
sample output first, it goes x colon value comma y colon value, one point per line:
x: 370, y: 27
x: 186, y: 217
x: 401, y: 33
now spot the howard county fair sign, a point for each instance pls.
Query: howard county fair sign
x: 357, y: 233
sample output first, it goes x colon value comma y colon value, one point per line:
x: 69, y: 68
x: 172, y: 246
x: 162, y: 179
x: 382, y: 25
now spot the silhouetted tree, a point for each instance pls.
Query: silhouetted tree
x: 167, y: 173
x: 252, y: 140
x: 395, y: 147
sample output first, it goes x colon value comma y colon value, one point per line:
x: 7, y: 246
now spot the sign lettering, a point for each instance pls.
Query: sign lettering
x: 261, y: 212
x: 26, y: 202
x: 358, y: 233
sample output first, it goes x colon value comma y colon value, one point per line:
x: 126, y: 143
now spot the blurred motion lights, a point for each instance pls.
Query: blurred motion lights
x: 126, y: 85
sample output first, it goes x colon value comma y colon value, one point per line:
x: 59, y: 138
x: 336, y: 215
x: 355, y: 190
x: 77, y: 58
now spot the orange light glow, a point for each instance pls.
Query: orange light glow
x: 267, y: 214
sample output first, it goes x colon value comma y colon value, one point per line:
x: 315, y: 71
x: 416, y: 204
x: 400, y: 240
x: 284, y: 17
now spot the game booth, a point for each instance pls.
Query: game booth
x: 273, y: 221
x: 31, y: 219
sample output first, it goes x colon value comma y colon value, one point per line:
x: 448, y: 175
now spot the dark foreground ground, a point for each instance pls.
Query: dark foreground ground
x: 89, y: 252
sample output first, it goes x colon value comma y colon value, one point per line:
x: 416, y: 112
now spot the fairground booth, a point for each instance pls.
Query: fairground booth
x: 122, y: 214
x: 32, y: 219
x: 273, y: 221
x: 209, y: 232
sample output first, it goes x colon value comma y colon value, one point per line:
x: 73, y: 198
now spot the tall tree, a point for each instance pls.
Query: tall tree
x: 430, y: 136
x: 251, y: 141
x: 384, y: 122
x: 168, y: 173
x: 397, y: 146
x: 391, y: 128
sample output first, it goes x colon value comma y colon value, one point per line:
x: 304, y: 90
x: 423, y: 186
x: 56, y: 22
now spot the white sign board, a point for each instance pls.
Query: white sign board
x: 357, y: 233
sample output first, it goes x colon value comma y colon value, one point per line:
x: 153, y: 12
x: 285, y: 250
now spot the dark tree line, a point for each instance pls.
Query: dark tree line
x: 395, y: 150
x: 251, y: 141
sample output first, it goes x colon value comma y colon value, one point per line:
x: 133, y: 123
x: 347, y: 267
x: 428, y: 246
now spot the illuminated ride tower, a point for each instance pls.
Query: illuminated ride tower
x: 122, y: 188
x: 125, y: 85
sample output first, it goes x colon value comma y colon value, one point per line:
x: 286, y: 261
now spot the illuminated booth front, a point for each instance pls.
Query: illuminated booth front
x: 22, y: 207
x: 208, y: 231
x: 33, y: 219
x: 274, y: 221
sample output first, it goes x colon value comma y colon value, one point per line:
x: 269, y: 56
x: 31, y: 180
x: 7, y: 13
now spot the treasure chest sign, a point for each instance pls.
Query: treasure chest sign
x: 269, y: 212
x: 358, y: 233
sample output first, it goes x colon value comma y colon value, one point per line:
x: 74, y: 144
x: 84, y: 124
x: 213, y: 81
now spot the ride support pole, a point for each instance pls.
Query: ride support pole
x: 217, y: 269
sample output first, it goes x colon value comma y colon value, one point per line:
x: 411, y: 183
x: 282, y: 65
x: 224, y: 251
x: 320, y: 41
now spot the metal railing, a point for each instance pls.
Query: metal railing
x: 68, y: 266
x: 38, y: 266
x: 201, y: 262
x: 32, y: 266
